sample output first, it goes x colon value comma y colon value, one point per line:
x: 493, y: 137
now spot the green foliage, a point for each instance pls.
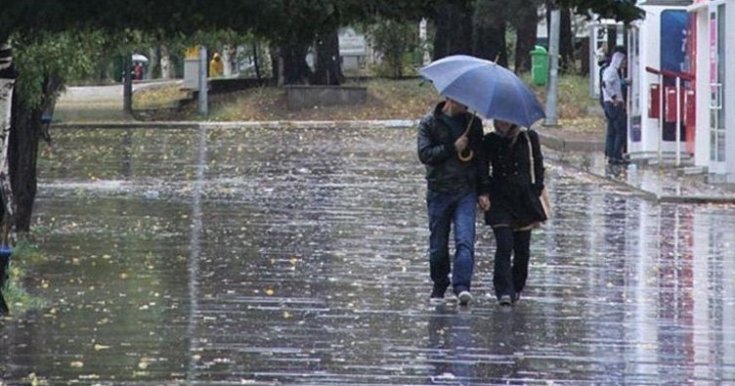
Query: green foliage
x: 620, y: 10
x: 394, y: 40
x: 26, y: 251
x: 18, y: 298
x: 49, y: 59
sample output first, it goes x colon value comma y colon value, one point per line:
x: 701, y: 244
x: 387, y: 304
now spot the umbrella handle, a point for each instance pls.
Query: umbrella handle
x: 467, y: 154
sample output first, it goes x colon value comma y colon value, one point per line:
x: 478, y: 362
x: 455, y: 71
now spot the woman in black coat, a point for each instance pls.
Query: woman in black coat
x: 517, y: 179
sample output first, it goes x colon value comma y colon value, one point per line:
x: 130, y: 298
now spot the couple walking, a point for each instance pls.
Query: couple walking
x: 502, y: 173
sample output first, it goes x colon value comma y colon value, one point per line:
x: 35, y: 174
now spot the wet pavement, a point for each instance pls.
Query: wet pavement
x: 298, y: 256
x: 661, y: 182
x: 99, y: 102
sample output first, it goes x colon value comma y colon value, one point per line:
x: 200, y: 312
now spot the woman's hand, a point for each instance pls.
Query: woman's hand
x: 484, y: 202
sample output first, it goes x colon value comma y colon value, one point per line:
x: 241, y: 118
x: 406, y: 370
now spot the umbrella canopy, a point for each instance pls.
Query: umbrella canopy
x: 139, y: 58
x: 486, y: 88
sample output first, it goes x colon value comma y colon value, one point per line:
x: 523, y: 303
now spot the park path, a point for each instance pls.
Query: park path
x: 298, y: 256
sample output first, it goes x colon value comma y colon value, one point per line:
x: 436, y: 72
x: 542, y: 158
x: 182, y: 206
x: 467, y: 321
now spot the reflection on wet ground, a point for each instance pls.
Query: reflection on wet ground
x: 298, y: 256
x: 660, y: 181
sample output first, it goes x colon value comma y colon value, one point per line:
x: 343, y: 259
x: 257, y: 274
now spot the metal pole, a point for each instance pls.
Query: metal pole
x: 678, y: 121
x: 660, y: 116
x: 202, y: 100
x: 551, y: 91
x: 592, y: 58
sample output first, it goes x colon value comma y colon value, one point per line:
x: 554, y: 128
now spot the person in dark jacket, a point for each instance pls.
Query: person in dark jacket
x: 516, y: 184
x: 449, y: 144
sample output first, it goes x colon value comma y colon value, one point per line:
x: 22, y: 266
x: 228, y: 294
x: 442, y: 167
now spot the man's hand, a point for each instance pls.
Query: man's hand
x: 484, y: 202
x: 461, y: 143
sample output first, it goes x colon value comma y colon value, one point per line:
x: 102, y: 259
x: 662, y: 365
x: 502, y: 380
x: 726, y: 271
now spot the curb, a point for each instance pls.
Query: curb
x: 372, y: 124
x: 653, y: 196
x: 564, y: 145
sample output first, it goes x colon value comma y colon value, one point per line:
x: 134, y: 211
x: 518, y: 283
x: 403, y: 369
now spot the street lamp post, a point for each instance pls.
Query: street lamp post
x: 551, y: 90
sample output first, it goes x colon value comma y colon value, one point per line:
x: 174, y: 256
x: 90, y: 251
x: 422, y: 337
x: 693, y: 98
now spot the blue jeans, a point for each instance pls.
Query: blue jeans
x: 616, y: 131
x: 444, y: 209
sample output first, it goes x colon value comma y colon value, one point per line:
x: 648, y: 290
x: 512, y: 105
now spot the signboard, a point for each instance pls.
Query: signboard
x: 674, y: 40
x: 351, y: 43
x: 674, y: 55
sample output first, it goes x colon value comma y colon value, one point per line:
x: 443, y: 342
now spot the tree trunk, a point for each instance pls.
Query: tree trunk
x: 26, y: 131
x: 524, y: 20
x: 276, y: 66
x: 165, y: 62
x: 489, y: 43
x: 453, y: 30
x: 256, y: 60
x: 292, y: 59
x: 584, y: 54
x: 566, y: 42
x: 127, y: 85
x: 526, y: 40
x: 488, y: 33
x: 7, y: 85
x: 328, y: 70
x: 154, y: 70
x: 8, y: 75
x: 23, y: 156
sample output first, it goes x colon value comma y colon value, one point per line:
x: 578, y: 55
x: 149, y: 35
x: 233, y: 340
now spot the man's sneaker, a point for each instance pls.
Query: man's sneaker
x: 505, y: 300
x: 437, y: 294
x: 465, y: 298
x: 517, y: 297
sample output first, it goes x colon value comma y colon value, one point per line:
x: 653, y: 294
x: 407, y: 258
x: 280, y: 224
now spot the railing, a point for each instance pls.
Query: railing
x: 678, y: 76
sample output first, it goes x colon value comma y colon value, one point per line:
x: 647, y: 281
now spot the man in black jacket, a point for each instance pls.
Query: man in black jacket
x: 449, y: 144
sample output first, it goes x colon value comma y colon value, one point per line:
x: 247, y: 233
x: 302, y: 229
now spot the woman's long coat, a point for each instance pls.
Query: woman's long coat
x: 514, y: 200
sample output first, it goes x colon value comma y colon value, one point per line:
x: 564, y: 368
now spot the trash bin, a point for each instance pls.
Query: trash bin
x: 539, y: 65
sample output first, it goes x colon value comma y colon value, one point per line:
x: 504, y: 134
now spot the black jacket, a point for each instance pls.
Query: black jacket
x: 444, y: 171
x: 514, y: 200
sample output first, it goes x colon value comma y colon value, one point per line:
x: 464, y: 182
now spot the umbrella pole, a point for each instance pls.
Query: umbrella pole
x: 469, y: 125
x: 467, y: 154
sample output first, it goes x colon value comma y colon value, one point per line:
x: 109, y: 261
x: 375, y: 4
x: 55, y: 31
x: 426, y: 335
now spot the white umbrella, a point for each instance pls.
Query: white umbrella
x: 139, y: 58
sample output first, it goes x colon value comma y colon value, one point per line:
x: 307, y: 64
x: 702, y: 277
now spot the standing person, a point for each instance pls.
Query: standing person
x: 449, y: 144
x: 614, y: 105
x: 515, y: 203
x: 138, y: 71
x: 216, y: 66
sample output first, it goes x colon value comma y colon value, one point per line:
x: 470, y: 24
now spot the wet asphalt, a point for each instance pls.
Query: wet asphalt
x: 298, y: 256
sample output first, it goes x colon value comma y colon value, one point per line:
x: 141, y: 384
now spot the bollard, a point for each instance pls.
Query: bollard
x: 5, y: 252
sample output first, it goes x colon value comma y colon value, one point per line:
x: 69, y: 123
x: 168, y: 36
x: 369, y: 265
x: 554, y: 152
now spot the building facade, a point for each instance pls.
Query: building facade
x: 713, y: 24
x: 661, y: 90
x: 682, y: 91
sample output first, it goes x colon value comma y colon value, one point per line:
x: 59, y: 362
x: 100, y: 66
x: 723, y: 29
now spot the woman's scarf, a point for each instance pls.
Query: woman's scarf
x: 512, y: 133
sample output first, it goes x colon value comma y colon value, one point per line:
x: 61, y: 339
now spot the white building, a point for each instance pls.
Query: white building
x: 714, y: 35
x: 684, y: 48
x: 659, y: 68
